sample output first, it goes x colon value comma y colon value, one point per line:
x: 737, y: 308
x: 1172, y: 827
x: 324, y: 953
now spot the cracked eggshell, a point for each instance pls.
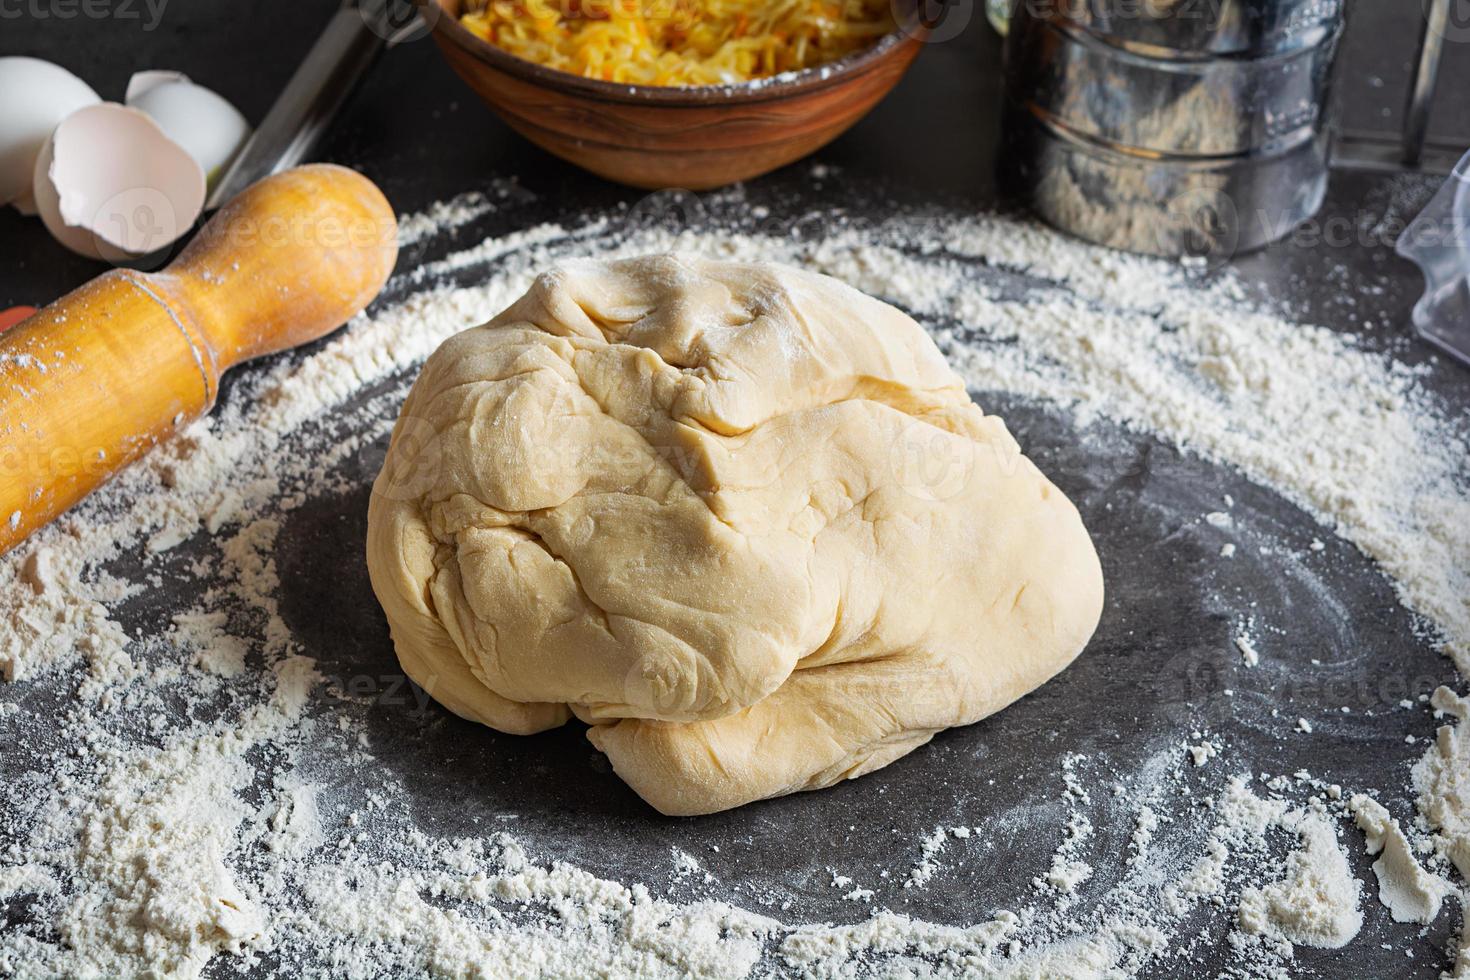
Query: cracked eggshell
x: 110, y: 184
x: 200, y: 121
x: 35, y: 96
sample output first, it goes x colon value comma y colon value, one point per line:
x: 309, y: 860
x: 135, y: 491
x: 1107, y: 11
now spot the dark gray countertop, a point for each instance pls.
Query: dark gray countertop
x: 423, y: 137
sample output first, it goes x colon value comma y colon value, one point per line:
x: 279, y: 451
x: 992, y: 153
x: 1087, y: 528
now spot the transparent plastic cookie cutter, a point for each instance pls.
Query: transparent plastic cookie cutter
x: 1438, y: 241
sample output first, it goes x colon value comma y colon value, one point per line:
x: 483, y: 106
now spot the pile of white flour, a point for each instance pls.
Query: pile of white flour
x: 180, y: 818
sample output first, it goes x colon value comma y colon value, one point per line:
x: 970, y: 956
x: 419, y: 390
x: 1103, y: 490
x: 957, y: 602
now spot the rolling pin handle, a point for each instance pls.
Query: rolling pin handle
x: 92, y: 381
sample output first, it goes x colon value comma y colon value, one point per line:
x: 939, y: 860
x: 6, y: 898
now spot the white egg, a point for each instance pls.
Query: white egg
x: 199, y: 120
x: 110, y: 184
x: 35, y: 95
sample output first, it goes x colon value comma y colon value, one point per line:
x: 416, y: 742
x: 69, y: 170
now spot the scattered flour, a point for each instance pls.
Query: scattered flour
x: 1203, y: 752
x: 928, y: 864
x: 26, y: 879
x: 164, y: 838
x: 391, y: 920
x: 1067, y: 870
x: 1315, y: 902
x: 1146, y: 823
x: 1442, y: 780
x: 1205, y: 879
x: 686, y: 863
x: 1410, y: 893
x: 455, y: 213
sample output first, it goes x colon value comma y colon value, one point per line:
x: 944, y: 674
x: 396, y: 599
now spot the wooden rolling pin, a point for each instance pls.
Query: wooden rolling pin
x: 92, y: 381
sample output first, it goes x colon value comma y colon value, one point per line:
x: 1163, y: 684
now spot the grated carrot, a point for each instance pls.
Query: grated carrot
x: 679, y: 42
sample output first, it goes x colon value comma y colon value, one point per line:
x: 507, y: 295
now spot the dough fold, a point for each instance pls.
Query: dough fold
x: 740, y: 519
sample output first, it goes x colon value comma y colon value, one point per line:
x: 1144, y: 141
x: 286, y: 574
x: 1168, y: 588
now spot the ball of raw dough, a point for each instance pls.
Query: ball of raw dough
x: 740, y: 519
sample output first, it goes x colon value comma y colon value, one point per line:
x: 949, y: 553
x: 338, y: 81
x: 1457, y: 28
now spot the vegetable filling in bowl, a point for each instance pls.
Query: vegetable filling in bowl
x: 679, y: 42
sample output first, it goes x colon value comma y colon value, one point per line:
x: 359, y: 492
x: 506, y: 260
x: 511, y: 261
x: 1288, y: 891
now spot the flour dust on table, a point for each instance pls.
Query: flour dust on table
x: 195, y: 783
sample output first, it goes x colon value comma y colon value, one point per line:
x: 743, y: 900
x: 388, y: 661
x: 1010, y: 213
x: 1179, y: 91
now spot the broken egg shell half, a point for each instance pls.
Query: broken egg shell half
x: 110, y: 184
x: 201, y: 121
x: 35, y: 96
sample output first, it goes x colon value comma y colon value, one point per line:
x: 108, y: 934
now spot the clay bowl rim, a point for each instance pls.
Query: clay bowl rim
x: 446, y: 25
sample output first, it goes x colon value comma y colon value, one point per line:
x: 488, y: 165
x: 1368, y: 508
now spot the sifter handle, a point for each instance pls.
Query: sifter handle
x: 347, y: 48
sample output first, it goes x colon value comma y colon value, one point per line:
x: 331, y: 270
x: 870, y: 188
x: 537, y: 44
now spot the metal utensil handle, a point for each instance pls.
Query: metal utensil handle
x: 1426, y: 74
x: 291, y: 130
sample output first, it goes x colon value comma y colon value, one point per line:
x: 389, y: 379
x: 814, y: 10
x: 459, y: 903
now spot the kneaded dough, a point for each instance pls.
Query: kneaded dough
x: 740, y: 519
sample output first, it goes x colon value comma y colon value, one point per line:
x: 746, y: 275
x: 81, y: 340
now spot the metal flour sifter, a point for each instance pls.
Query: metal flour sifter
x: 1187, y: 127
x: 1201, y: 129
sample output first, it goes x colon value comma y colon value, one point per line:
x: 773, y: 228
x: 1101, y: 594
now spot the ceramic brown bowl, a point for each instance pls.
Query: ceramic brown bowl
x: 657, y: 136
